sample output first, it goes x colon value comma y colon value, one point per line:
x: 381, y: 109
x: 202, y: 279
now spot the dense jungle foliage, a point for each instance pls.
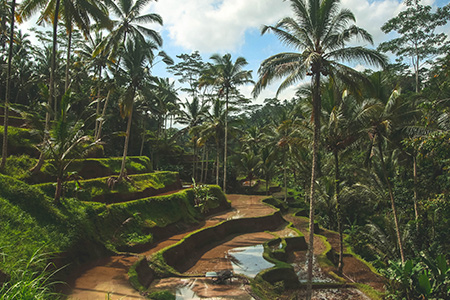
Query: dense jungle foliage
x: 378, y: 141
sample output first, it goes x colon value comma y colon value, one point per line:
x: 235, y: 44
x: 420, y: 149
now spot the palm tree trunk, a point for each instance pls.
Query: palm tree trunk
x: 8, y: 88
x: 337, y: 181
x: 312, y: 196
x: 69, y: 45
x: 217, y: 162
x: 99, y: 132
x: 202, y: 164
x: 143, y: 141
x: 97, y: 111
x: 416, y: 209
x: 226, y: 145
x: 391, y: 195
x: 58, y: 190
x: 285, y: 177
x: 206, y: 164
x: 51, y: 92
x: 125, y: 147
x: 194, y: 159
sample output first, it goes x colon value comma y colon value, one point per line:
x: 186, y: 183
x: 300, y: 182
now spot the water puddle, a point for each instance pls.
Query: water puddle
x: 202, y: 288
x: 248, y: 261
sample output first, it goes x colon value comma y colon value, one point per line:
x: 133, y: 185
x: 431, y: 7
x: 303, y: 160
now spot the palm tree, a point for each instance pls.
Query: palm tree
x: 64, y: 144
x: 137, y: 57
x: 342, y: 129
x: 267, y: 167
x: 8, y: 86
x: 50, y: 10
x: 286, y: 140
x: 214, y: 126
x: 129, y: 24
x: 383, y: 113
x: 193, y: 115
x: 320, y: 31
x: 98, y: 63
x: 77, y: 12
x: 226, y: 76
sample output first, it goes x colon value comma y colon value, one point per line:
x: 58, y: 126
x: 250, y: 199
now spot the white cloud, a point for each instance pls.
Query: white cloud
x: 213, y: 25
x: 371, y: 15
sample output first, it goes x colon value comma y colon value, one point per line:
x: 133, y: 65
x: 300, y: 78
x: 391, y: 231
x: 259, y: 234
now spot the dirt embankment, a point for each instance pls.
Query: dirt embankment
x: 108, y: 276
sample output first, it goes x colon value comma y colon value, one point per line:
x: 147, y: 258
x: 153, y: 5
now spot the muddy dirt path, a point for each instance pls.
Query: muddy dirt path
x: 354, y: 270
x: 108, y: 276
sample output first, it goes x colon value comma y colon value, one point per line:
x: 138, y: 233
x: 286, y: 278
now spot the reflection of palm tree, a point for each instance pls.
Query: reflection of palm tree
x: 320, y: 31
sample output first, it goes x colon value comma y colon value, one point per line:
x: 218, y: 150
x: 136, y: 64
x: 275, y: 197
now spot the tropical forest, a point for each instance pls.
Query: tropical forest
x: 130, y: 170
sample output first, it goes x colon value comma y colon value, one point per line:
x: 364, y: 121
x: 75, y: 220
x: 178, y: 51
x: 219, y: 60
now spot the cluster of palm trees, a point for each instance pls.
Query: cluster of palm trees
x: 342, y: 137
x: 113, y: 59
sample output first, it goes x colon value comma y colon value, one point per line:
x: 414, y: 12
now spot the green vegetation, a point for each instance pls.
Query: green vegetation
x: 361, y: 153
x: 29, y: 281
x: 99, y: 189
x: 19, y: 166
x: 31, y: 220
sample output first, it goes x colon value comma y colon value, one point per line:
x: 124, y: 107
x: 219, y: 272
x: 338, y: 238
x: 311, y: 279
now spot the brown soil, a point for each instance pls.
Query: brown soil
x: 354, y: 269
x: 109, y: 275
x: 97, y: 279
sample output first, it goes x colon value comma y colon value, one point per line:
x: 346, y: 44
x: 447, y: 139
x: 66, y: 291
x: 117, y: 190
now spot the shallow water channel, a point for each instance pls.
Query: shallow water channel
x: 246, y: 260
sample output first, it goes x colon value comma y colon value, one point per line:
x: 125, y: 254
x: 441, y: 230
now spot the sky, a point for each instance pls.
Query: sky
x: 233, y: 26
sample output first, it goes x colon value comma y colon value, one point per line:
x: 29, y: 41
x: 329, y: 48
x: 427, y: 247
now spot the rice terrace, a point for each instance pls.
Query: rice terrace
x: 225, y: 149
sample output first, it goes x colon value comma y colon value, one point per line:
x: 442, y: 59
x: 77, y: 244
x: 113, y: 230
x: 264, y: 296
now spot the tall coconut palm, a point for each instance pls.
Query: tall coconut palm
x: 385, y: 113
x: 138, y: 58
x: 98, y: 64
x: 214, y: 126
x: 319, y: 31
x: 129, y: 25
x: 342, y: 129
x: 136, y: 71
x: 286, y: 140
x: 8, y: 86
x: 192, y: 115
x: 50, y: 10
x: 77, y: 12
x: 226, y: 75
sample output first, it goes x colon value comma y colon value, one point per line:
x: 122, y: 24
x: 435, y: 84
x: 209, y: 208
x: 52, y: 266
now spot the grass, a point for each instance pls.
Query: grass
x: 29, y: 281
x: 87, y: 190
x: 30, y: 221
x: 18, y: 166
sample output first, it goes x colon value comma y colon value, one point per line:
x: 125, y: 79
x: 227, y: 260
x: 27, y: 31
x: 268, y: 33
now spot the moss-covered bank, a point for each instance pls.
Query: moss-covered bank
x: 19, y: 166
x: 76, y: 231
x: 99, y: 190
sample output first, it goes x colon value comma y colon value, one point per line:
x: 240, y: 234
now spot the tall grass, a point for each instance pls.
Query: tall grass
x: 29, y: 281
